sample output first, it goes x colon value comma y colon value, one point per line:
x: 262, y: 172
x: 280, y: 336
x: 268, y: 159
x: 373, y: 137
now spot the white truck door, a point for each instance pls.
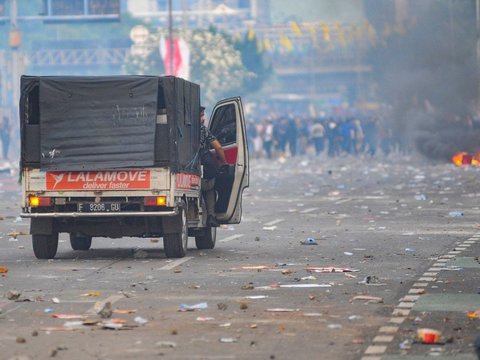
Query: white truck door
x: 227, y: 123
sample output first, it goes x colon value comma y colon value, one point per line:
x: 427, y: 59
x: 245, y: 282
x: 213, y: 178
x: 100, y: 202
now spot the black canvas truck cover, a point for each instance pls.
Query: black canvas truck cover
x: 108, y: 122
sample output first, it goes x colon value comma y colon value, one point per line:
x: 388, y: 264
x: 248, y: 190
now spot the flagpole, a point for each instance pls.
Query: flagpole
x: 170, y: 36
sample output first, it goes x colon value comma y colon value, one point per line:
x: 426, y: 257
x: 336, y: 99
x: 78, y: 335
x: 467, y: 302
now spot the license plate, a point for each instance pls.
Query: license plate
x: 99, y: 207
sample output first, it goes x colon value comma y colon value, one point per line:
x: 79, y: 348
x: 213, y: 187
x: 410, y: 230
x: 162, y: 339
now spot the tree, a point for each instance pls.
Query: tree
x: 252, y: 58
x: 214, y: 63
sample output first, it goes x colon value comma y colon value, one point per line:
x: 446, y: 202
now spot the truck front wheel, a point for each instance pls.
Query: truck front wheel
x: 80, y: 242
x: 175, y: 244
x: 45, y: 246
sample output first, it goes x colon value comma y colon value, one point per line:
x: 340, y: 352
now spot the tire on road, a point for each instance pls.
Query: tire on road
x: 175, y: 244
x: 207, y: 239
x: 80, y: 241
x: 45, y: 246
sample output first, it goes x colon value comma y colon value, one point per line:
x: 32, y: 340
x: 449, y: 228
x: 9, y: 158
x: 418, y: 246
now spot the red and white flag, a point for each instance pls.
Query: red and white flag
x: 178, y: 63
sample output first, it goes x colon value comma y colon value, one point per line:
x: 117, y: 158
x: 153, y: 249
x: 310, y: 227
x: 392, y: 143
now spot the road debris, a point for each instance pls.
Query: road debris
x: 428, y: 336
x: 329, y: 269
x: 199, y: 306
x: 68, y: 316
x: 371, y: 280
x: 281, y: 310
x: 309, y: 241
x: 228, y: 340
x: 3, y: 269
x: 91, y: 294
x: 13, y: 295
x: 104, y: 309
x: 369, y: 299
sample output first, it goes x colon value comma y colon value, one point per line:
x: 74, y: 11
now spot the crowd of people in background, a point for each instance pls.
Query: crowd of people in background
x: 336, y: 135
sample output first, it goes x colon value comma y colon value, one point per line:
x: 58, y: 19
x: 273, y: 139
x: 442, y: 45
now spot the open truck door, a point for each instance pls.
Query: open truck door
x: 227, y: 123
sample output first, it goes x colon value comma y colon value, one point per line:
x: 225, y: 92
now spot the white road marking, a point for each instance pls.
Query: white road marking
x: 308, y: 210
x: 230, y: 238
x: 175, y: 263
x: 273, y: 222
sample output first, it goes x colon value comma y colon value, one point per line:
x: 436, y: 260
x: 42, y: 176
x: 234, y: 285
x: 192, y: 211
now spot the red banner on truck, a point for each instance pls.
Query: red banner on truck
x: 98, y: 180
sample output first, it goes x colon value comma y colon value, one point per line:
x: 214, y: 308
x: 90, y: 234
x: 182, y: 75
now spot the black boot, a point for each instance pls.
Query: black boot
x: 211, y: 221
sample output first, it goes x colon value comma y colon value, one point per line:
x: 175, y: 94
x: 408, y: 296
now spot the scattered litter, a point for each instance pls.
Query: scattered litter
x: 56, y: 300
x: 248, y: 287
x: 228, y: 340
x: 205, y: 318
x: 329, y: 269
x: 269, y: 228
x: 405, y: 345
x: 3, y: 270
x: 455, y: 214
x: 225, y: 325
x: 73, y: 325
x: 371, y: 280
x: 222, y: 306
x: 199, y: 306
x: 67, y: 316
x: 355, y: 317
x: 257, y: 267
x: 103, y: 309
x: 420, y: 197
x: 428, y: 336
x: 125, y: 311
x: 409, y: 250
x: 91, y: 294
x: 166, y: 344
x: 111, y: 325
x: 304, y: 285
x: 48, y: 310
x: 309, y: 241
x: 334, y: 326
x: 256, y: 297
x: 13, y: 295
x: 140, y: 320
x: 312, y: 314
x: 286, y: 272
x: 307, y: 278
x: 281, y: 310
x: 347, y: 253
x: 370, y: 299
x: 21, y: 340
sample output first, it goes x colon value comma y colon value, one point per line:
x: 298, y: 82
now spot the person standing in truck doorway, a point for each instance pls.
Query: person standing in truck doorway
x: 210, y: 167
x: 5, y: 134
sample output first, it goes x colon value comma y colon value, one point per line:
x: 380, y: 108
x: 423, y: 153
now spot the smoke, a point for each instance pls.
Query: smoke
x: 429, y: 75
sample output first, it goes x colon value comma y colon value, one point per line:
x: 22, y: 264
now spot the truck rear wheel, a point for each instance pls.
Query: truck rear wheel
x: 175, y: 245
x: 80, y: 242
x: 45, y: 246
x: 207, y: 239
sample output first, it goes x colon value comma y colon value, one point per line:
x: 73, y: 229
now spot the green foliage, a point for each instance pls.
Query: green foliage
x: 214, y: 63
x: 252, y: 58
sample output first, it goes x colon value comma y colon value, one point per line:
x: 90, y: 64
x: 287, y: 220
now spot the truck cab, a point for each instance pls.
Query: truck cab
x: 118, y: 156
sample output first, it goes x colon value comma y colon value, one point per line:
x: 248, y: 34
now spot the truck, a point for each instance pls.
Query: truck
x: 118, y: 156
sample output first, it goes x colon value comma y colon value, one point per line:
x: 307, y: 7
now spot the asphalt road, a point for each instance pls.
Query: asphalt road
x: 414, y: 265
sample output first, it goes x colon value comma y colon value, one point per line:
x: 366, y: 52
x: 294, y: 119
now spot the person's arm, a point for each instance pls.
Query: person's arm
x: 219, y: 151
